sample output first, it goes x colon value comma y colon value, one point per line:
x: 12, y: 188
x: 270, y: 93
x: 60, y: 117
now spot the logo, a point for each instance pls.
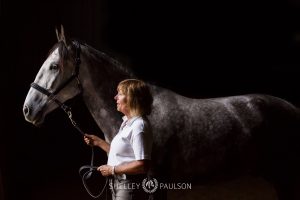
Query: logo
x: 150, y: 185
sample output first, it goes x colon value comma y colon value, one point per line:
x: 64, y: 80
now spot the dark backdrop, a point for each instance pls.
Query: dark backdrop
x: 198, y: 49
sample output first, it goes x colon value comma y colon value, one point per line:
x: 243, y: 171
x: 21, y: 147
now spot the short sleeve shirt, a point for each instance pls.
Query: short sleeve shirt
x: 133, y: 142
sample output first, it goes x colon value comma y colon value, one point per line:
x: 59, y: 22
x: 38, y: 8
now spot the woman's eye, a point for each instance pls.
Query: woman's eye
x: 54, y: 67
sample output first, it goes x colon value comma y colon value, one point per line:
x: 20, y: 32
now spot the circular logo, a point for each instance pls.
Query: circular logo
x: 150, y: 185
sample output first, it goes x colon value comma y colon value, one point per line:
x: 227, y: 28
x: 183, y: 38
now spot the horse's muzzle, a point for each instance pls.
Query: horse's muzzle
x: 31, y: 116
x: 26, y: 111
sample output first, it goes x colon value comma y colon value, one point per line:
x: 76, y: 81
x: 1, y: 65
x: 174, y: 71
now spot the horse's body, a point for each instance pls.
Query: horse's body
x: 194, y: 139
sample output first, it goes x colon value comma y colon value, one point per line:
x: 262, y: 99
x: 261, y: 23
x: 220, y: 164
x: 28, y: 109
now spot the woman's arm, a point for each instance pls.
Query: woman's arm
x: 94, y: 140
x: 134, y: 167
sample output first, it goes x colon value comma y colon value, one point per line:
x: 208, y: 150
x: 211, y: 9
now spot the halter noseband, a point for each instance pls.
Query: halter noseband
x: 52, y: 95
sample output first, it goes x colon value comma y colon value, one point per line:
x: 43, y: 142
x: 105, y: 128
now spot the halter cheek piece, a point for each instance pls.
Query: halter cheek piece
x: 52, y: 95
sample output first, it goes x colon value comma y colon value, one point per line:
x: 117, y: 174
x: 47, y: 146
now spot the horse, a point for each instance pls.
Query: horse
x: 194, y: 139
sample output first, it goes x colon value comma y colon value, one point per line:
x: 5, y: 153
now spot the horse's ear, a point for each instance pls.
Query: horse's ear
x: 61, y: 36
x: 57, y: 34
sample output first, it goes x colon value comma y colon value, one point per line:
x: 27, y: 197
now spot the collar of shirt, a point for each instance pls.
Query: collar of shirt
x: 127, y: 121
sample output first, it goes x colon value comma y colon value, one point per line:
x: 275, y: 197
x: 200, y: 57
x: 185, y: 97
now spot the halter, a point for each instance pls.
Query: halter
x: 52, y: 95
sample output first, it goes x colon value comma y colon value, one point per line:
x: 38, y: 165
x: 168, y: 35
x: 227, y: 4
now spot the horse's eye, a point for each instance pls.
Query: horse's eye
x: 54, y: 67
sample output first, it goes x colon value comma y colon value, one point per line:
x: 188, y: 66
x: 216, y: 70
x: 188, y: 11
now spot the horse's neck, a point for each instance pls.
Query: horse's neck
x: 99, y: 89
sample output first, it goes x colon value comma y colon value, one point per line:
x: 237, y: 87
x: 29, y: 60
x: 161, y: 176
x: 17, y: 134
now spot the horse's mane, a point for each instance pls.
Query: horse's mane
x: 101, y: 57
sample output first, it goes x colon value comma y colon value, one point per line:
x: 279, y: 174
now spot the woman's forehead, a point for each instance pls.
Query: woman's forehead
x: 121, y: 88
x: 120, y: 91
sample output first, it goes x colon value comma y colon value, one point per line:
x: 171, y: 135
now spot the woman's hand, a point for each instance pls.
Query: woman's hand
x: 92, y: 140
x: 106, y: 170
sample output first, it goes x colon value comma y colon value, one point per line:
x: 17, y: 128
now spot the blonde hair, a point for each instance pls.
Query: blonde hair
x: 138, y: 96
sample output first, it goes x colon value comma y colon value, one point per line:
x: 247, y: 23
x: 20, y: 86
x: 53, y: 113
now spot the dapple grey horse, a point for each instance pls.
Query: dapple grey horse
x: 194, y: 139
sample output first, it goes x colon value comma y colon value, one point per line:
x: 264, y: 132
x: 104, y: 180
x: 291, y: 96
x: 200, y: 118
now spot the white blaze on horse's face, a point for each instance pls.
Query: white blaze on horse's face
x: 50, y: 76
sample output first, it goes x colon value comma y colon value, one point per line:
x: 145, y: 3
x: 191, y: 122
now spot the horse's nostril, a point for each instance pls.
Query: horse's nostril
x: 26, y: 110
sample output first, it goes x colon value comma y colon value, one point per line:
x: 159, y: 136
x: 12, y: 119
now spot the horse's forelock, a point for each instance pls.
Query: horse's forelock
x: 62, y: 50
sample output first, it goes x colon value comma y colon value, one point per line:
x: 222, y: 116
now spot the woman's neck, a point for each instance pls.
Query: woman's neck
x: 131, y: 115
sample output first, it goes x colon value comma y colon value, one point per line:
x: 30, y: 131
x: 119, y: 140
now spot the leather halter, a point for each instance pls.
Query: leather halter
x: 52, y: 95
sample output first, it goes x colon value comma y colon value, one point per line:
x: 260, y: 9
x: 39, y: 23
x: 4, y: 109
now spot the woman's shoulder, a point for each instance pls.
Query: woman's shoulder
x: 141, y: 123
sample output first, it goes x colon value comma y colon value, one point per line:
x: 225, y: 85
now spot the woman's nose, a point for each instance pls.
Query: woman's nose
x: 116, y: 97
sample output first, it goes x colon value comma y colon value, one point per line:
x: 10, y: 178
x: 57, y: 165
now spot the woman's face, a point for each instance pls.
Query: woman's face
x: 121, y: 103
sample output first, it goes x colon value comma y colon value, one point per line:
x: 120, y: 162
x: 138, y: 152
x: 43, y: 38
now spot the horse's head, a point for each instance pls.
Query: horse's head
x: 56, y: 82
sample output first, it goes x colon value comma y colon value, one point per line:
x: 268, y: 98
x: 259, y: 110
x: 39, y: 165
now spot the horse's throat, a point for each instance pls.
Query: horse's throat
x: 103, y: 111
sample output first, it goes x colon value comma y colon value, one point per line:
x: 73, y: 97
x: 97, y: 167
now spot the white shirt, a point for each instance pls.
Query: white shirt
x: 133, y: 142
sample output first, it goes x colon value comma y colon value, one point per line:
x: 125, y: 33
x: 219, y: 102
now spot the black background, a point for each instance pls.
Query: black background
x: 198, y: 49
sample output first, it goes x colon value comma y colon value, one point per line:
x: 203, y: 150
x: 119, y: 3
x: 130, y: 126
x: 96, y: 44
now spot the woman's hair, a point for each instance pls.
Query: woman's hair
x: 138, y: 96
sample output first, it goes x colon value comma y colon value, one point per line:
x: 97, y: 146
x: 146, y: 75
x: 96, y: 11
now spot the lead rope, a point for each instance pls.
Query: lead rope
x: 86, y: 175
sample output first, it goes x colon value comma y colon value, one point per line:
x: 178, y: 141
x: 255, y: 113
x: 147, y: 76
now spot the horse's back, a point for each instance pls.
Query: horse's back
x: 210, y: 135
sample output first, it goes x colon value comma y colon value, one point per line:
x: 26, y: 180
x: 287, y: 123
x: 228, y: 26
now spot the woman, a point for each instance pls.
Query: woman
x: 129, y: 153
